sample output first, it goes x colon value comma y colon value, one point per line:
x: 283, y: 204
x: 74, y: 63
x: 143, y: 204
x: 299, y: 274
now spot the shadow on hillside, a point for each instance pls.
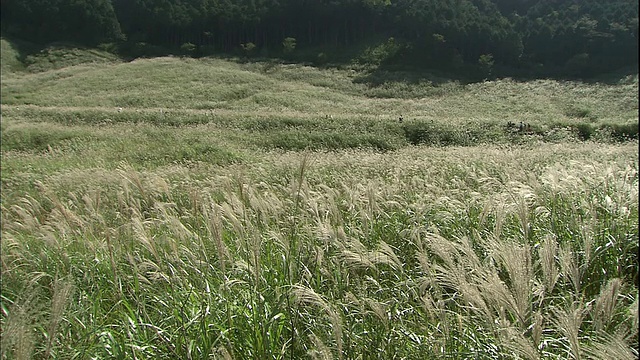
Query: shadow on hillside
x: 623, y: 75
x: 373, y: 77
x: 382, y: 76
x: 41, y: 57
x: 23, y: 48
x: 626, y: 75
x: 385, y: 75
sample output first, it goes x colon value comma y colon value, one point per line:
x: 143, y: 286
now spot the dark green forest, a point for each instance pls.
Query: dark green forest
x: 573, y: 38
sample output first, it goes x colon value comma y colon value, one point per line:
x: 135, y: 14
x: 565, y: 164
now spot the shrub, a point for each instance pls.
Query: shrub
x: 622, y: 132
x: 430, y: 134
x: 378, y: 55
x: 288, y: 45
x: 486, y: 64
x: 578, y: 65
x: 188, y: 49
x: 584, y: 131
x: 580, y: 112
x: 248, y: 49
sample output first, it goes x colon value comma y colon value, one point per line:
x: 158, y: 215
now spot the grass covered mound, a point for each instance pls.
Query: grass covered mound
x: 181, y: 208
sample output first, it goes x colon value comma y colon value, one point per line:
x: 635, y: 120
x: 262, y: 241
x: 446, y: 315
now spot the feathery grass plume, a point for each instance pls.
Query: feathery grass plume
x: 12, y: 253
x: 523, y: 198
x: 500, y: 212
x: 214, y: 229
x: 131, y: 176
x: 460, y: 271
x: 568, y: 322
x: 537, y: 329
x: 321, y: 351
x: 355, y: 255
x: 498, y: 297
x: 587, y: 245
x: 230, y: 214
x: 168, y: 217
x: 306, y: 295
x: 143, y: 236
x: 18, y: 339
x: 265, y: 203
x: 355, y: 260
x: 112, y: 261
x: 222, y: 353
x: 62, y: 217
x: 299, y: 183
x: 613, y: 347
x: 570, y: 269
x: 325, y: 232
x: 633, y: 316
x: 373, y: 198
x: 379, y: 309
x: 92, y: 203
x: 514, y: 340
x: 352, y: 252
x: 605, y: 305
x: 385, y: 255
x: 429, y: 305
x: 547, y: 253
x: 62, y: 292
x: 25, y: 216
x: 516, y: 259
x: 255, y: 258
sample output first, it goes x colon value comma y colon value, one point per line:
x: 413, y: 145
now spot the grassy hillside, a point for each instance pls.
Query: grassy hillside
x: 266, y: 87
x: 212, y: 208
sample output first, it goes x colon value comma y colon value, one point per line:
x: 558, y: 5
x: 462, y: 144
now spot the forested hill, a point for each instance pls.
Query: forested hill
x: 578, y: 38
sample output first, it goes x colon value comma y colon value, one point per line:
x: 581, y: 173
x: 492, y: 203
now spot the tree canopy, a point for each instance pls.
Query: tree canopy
x: 576, y: 37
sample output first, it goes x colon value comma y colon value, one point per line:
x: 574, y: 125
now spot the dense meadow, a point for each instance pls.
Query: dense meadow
x: 216, y: 208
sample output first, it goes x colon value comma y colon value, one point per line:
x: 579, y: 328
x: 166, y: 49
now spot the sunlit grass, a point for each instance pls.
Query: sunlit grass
x: 173, y: 208
x: 216, y: 84
x: 361, y: 252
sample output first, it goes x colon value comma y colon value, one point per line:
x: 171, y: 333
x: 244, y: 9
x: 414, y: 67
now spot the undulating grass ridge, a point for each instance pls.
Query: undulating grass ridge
x: 171, y: 208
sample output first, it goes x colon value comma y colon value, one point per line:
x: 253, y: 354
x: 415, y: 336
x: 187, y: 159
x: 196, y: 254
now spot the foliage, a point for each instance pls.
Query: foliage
x: 88, y: 21
x: 541, y: 38
x: 188, y: 48
x: 486, y: 64
x: 383, y: 53
x: 288, y: 45
x: 353, y: 249
x: 249, y: 48
x: 207, y: 208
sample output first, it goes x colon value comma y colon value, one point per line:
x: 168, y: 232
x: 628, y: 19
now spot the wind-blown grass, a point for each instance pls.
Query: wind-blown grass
x: 362, y: 253
x: 243, y: 211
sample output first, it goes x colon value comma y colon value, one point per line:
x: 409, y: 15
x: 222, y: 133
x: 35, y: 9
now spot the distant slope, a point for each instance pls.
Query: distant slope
x: 20, y: 56
x: 10, y: 57
x: 85, y: 78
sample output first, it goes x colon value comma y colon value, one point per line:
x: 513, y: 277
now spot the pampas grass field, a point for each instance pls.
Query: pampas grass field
x: 245, y: 211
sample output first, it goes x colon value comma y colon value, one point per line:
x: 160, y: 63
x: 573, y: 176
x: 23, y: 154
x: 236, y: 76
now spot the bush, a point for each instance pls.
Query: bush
x: 380, y: 54
x: 288, y: 45
x: 584, y: 131
x: 188, y: 49
x: 578, y: 65
x: 248, y: 49
x: 486, y: 65
x: 429, y: 134
x: 580, y: 112
x: 623, y: 132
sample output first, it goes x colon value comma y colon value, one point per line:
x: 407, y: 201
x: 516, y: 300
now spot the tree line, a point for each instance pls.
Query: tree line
x: 574, y: 37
